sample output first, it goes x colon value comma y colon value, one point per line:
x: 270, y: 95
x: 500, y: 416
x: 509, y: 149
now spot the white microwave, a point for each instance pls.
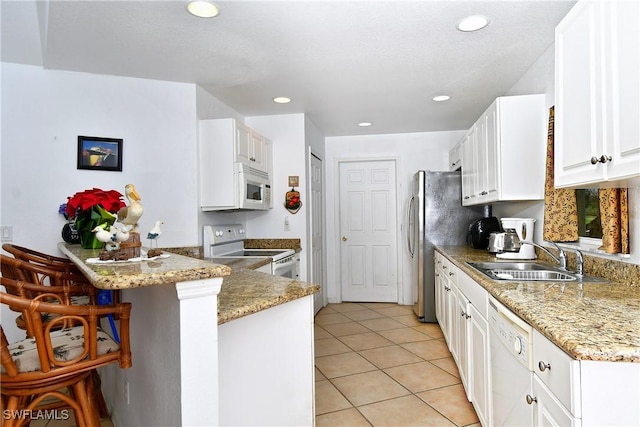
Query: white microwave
x: 253, y: 187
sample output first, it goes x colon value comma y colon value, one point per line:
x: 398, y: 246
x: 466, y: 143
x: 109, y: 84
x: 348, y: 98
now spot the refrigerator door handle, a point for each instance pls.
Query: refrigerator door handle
x: 409, y: 227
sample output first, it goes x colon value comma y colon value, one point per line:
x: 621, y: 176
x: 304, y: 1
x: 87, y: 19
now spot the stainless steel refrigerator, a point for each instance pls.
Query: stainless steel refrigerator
x: 435, y: 217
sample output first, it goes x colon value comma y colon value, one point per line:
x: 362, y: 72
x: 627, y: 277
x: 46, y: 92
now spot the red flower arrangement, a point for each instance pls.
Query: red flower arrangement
x: 110, y: 200
x: 90, y: 209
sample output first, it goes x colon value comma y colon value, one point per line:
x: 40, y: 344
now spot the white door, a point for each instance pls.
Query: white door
x: 317, y: 233
x: 368, y: 231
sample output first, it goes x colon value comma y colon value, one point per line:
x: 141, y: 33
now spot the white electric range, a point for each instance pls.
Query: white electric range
x: 227, y: 241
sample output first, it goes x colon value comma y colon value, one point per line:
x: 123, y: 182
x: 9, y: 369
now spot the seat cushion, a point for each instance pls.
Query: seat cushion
x: 67, y: 345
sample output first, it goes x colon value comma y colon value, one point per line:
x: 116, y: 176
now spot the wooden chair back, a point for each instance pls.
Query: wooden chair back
x: 40, y: 258
x: 45, y: 276
x: 51, y: 365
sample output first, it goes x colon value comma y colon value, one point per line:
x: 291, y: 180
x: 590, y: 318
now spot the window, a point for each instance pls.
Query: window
x: 589, y: 213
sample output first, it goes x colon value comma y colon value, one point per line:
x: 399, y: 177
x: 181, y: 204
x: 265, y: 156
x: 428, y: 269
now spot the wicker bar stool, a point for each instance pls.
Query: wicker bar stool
x: 60, y: 354
x: 35, y: 279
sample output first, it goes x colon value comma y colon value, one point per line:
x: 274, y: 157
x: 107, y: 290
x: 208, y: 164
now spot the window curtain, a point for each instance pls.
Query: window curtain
x: 561, y: 210
x: 614, y: 216
x: 560, y: 207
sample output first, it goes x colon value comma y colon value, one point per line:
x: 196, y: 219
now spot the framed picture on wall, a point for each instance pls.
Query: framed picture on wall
x: 95, y: 153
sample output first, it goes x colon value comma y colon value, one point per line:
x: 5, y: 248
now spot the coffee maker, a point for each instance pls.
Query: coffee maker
x: 524, y: 229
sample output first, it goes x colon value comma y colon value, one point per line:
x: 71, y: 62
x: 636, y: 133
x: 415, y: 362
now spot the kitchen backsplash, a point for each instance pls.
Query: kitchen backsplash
x: 621, y: 272
x: 198, y: 252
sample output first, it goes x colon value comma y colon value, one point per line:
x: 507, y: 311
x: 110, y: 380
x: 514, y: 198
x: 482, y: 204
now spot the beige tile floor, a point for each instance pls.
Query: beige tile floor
x: 377, y: 365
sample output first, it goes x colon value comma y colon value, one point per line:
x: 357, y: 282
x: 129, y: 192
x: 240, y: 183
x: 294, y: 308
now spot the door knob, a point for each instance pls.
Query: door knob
x: 344, y: 238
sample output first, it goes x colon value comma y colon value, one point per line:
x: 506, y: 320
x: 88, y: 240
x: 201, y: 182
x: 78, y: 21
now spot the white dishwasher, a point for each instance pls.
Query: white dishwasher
x: 511, y: 367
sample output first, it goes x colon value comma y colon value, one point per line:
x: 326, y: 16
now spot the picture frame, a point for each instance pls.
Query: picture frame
x: 97, y: 153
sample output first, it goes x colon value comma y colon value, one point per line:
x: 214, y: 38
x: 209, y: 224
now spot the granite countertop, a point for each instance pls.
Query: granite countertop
x: 592, y: 321
x: 246, y: 292
x: 133, y: 274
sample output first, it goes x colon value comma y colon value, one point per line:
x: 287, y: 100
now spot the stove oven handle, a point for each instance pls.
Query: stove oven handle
x: 283, y: 266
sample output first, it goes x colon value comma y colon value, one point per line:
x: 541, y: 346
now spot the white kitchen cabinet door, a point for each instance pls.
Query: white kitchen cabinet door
x: 243, y: 144
x: 252, y: 149
x: 462, y: 317
x: 622, y: 33
x: 503, y: 157
x: 597, y: 132
x: 449, y: 308
x: 469, y: 169
x: 455, y: 157
x: 479, y: 392
x: 490, y: 169
x: 548, y: 411
x: 440, y: 299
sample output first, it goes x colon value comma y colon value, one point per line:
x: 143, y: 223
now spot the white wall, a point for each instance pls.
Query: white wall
x: 413, y: 151
x: 44, y: 111
x: 287, y: 134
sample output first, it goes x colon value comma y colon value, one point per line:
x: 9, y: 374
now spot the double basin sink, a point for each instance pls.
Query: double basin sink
x: 529, y: 272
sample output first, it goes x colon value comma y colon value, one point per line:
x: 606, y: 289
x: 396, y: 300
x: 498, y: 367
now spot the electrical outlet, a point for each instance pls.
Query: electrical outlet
x: 7, y: 233
x: 126, y: 391
x: 287, y: 225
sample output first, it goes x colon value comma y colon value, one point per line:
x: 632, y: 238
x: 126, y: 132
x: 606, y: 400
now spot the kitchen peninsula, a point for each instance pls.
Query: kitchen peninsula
x: 226, y: 342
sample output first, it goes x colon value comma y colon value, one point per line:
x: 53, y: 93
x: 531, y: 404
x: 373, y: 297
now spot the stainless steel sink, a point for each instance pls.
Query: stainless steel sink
x: 528, y: 271
x: 530, y: 275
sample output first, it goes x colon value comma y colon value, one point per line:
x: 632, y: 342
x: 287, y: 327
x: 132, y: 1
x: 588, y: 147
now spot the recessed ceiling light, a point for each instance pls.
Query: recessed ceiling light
x: 364, y: 124
x: 281, y: 100
x: 203, y: 9
x: 441, y: 98
x: 473, y: 23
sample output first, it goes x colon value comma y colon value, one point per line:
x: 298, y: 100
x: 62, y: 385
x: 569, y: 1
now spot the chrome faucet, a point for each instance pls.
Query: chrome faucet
x: 579, y: 263
x: 562, y: 255
x: 561, y: 259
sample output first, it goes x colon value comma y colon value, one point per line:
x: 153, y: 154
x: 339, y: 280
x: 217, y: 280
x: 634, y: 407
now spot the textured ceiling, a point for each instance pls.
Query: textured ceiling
x: 342, y: 62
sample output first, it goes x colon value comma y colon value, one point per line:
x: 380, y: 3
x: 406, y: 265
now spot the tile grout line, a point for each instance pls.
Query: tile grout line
x: 382, y: 370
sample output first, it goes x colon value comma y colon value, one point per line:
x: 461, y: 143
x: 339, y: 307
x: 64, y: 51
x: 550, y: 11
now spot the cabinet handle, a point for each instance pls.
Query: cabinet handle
x: 602, y: 159
x: 466, y: 197
x: 483, y: 193
x: 531, y: 399
x: 451, y: 273
x: 465, y: 315
x: 447, y: 289
x: 543, y: 366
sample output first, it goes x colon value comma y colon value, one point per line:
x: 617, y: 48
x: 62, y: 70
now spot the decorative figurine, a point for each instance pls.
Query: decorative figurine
x: 154, y: 235
x: 130, y: 215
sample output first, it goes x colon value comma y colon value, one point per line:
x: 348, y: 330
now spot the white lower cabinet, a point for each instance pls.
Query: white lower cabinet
x: 479, y: 392
x: 548, y: 411
x: 565, y: 392
x: 462, y: 307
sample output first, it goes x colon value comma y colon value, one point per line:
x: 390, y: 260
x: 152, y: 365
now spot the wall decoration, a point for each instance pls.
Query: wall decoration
x: 292, y: 201
x: 95, y: 153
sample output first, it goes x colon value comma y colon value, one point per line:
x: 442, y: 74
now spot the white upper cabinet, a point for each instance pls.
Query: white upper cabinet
x: 223, y: 142
x: 455, y: 157
x: 251, y: 148
x: 503, y: 154
x: 597, y: 117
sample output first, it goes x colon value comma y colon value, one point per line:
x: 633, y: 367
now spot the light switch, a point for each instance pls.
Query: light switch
x: 287, y: 225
